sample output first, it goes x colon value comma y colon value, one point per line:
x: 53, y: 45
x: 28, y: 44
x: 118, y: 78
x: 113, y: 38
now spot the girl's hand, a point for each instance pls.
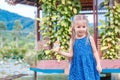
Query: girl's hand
x: 99, y: 68
x: 57, y: 49
x: 56, y: 46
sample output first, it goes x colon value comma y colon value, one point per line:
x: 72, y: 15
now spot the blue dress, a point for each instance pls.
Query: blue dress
x: 83, y: 64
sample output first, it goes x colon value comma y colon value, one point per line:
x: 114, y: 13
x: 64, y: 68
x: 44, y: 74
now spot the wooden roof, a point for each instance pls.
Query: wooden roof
x: 86, y: 4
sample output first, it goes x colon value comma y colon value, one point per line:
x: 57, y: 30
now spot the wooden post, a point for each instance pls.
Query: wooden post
x: 38, y: 26
x: 35, y: 75
x: 95, y: 18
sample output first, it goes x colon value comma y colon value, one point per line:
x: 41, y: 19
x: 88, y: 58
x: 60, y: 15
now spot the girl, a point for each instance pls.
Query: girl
x: 85, y: 63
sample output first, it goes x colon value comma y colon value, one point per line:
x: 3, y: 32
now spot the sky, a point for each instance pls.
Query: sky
x: 24, y: 10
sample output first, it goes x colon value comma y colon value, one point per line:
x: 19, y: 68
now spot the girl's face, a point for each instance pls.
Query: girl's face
x: 80, y: 28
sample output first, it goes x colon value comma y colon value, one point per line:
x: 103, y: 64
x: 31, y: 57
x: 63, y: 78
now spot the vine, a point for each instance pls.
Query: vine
x: 56, y: 21
x: 110, y: 33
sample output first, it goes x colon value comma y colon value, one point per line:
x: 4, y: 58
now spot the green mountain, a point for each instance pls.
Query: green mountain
x: 8, y: 18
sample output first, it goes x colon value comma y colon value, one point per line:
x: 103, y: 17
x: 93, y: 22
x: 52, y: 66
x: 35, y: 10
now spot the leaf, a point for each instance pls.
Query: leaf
x: 63, y: 1
x: 116, y: 21
x: 104, y: 48
x: 62, y: 47
x: 101, y: 5
x: 108, y: 39
x: 113, y: 42
x: 69, y: 2
x: 111, y: 57
x: 75, y: 10
x: 47, y: 52
x: 117, y: 30
x: 107, y: 14
x: 106, y: 2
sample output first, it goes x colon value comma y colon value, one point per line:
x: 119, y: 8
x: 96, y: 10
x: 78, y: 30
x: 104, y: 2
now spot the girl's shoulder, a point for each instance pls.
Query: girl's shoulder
x: 91, y: 39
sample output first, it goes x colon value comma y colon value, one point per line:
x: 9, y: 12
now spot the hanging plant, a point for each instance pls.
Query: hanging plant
x: 110, y: 32
x: 56, y: 21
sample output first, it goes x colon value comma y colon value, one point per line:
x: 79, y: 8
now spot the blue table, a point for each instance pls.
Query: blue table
x: 59, y: 71
x: 106, y: 73
x: 111, y: 70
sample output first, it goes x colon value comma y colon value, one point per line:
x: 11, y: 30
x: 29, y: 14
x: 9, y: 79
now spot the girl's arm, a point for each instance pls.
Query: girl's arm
x: 95, y: 50
x: 70, y: 54
x: 99, y: 68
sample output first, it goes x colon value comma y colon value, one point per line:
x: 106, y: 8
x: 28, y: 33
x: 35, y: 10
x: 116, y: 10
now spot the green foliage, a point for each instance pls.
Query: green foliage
x: 110, y: 33
x: 2, y: 25
x: 48, y: 55
x: 9, y: 49
x: 10, y: 52
x: 91, y: 30
x: 56, y: 21
x: 42, y: 55
x: 17, y: 44
x: 17, y: 26
x: 30, y: 57
x: 46, y: 77
x: 53, y: 77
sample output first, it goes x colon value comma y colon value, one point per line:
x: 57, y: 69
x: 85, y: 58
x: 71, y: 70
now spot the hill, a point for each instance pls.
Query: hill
x: 9, y: 18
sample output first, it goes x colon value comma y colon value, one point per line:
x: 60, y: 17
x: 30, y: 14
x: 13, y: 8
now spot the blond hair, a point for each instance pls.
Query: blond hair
x: 80, y: 17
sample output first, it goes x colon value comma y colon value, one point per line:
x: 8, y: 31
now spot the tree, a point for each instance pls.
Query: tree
x: 2, y: 25
x: 2, y: 28
x: 16, y: 31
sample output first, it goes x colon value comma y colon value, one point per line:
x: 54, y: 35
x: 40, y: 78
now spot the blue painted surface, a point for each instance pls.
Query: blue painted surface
x: 62, y: 70
x: 111, y: 70
x: 47, y: 70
